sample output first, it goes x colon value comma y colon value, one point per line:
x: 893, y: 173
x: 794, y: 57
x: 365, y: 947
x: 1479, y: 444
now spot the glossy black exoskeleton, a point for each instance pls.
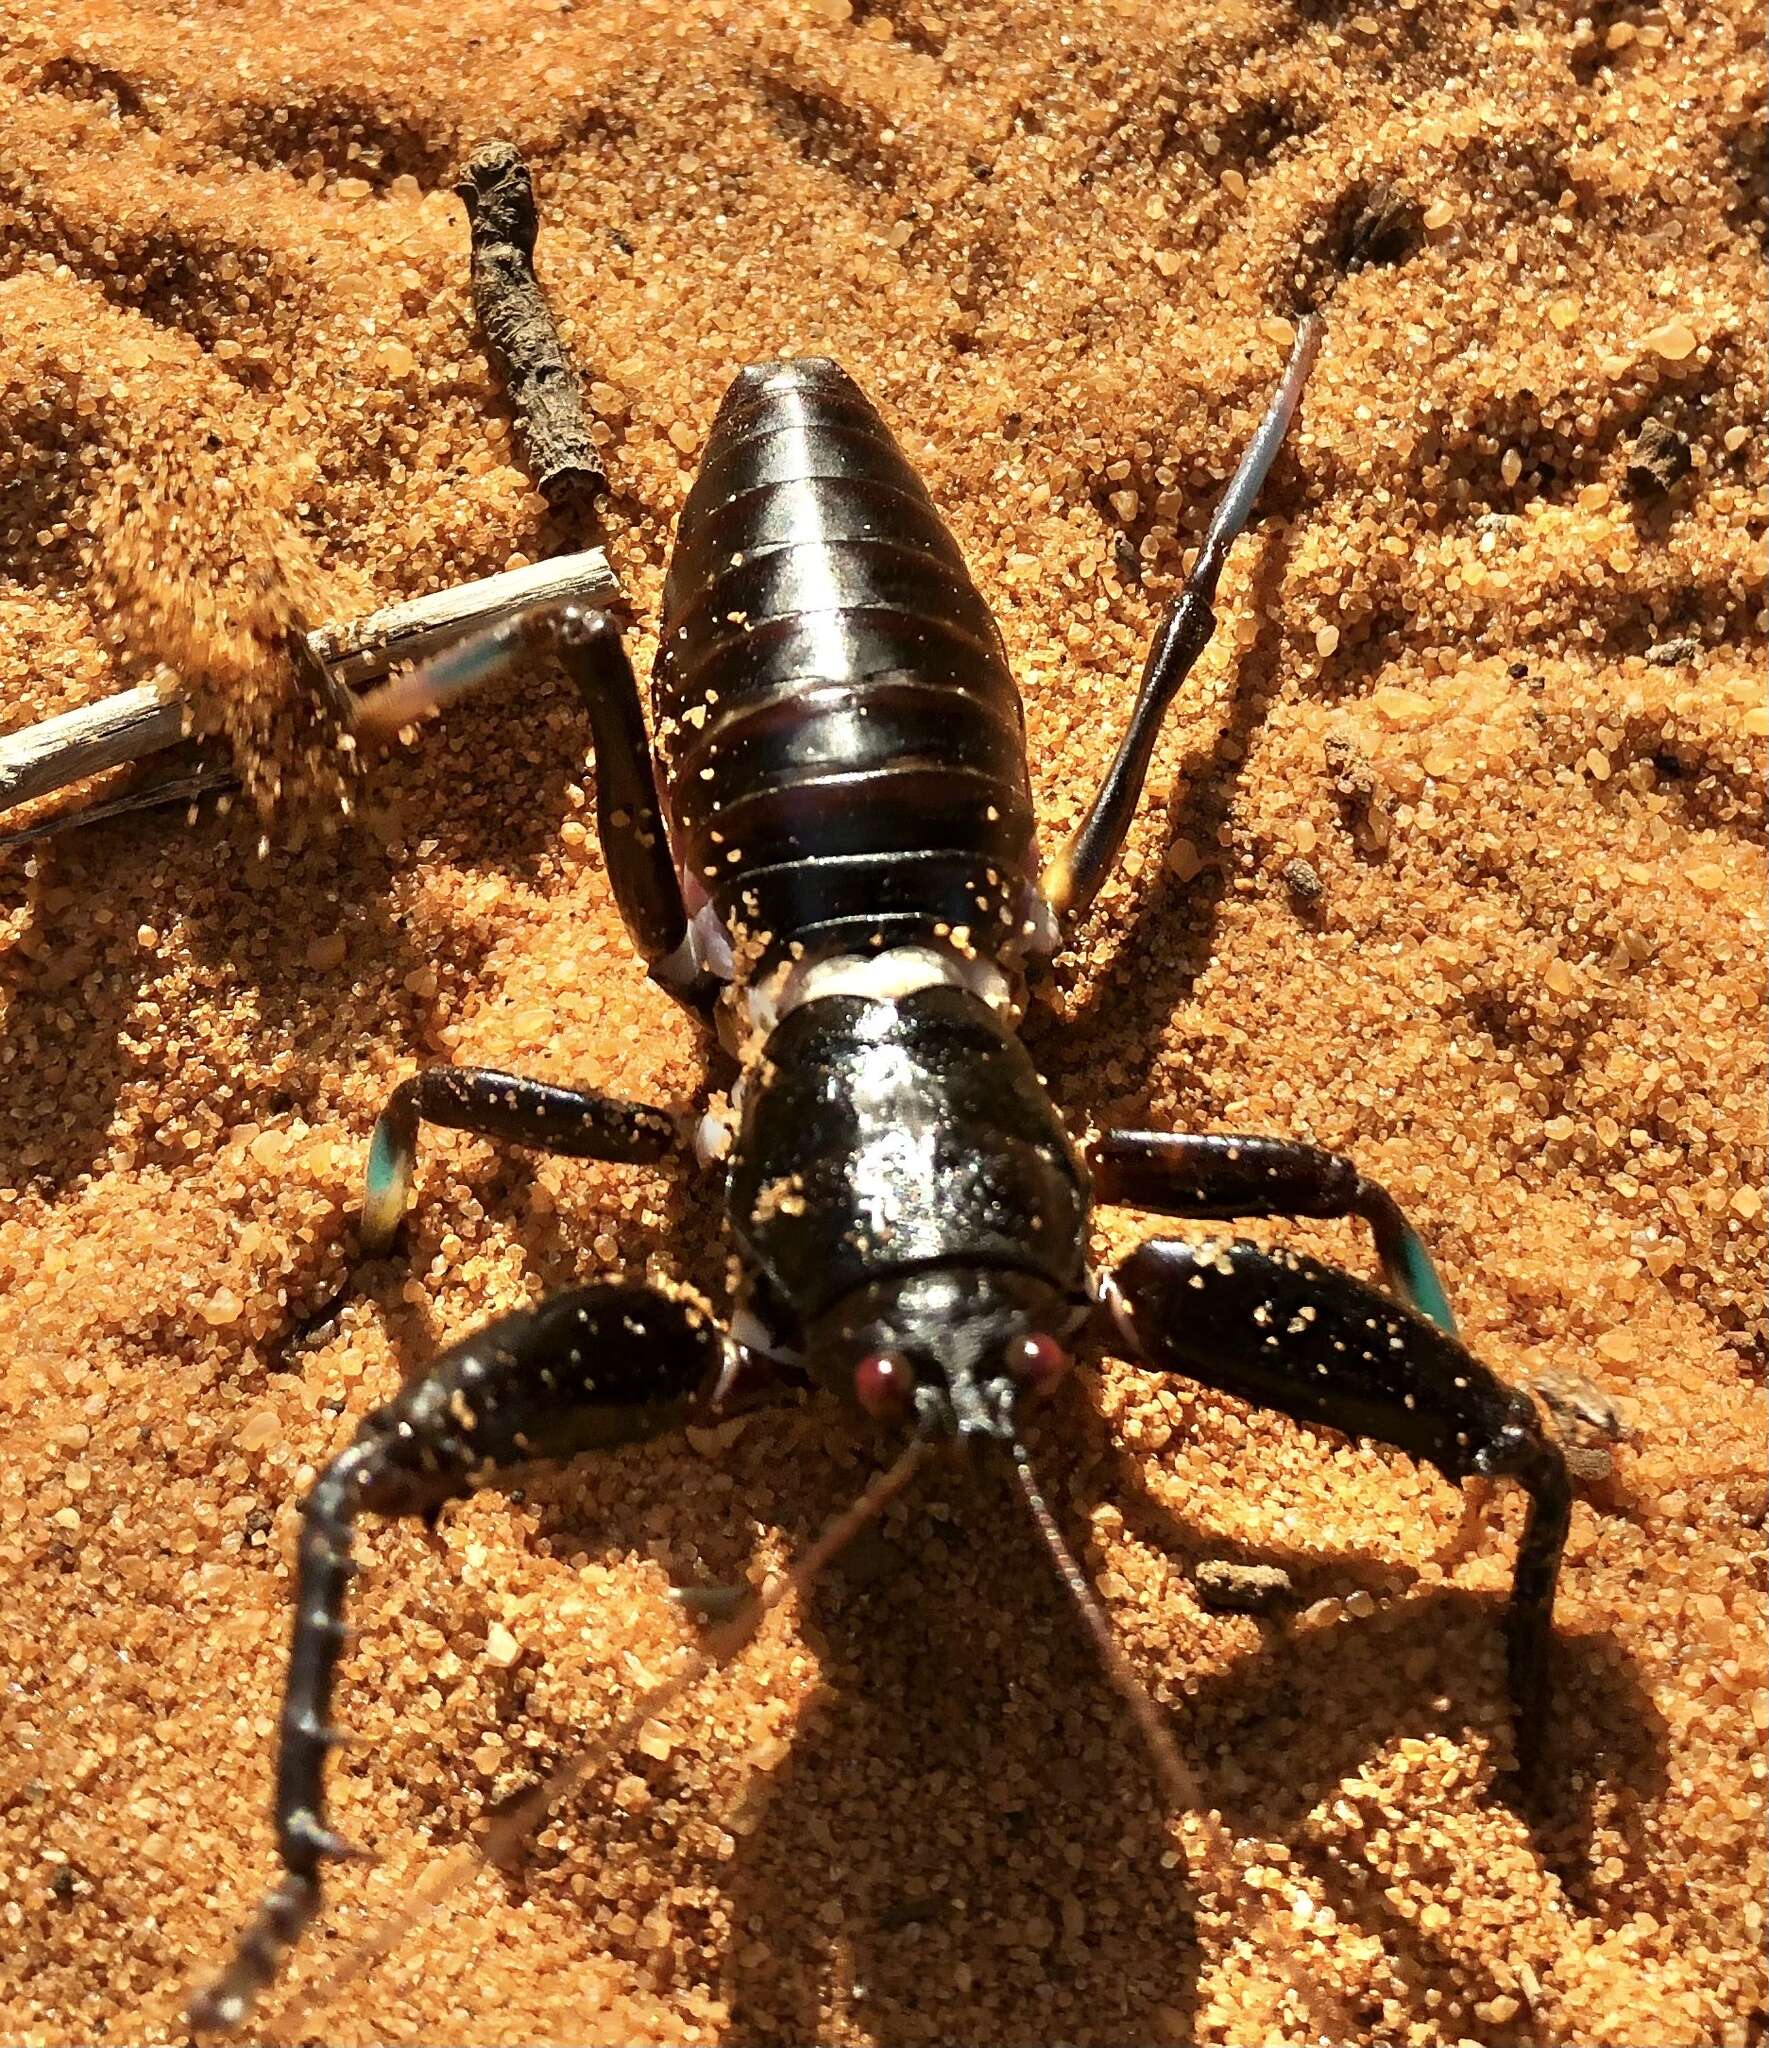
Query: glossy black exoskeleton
x: 839, y: 869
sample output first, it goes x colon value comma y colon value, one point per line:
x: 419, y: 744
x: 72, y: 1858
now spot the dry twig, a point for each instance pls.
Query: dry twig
x: 553, y: 434
x: 552, y: 428
x: 137, y: 723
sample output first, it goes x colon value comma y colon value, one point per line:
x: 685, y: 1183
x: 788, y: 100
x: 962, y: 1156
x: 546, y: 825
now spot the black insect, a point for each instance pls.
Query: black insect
x: 841, y: 874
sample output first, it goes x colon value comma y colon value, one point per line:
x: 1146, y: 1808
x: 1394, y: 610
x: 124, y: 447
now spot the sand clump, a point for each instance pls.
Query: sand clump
x: 199, y: 573
x: 140, y: 483
x: 1507, y: 711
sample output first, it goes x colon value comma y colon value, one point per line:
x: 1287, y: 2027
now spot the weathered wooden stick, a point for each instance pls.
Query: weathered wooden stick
x: 364, y: 651
x: 169, y: 781
x: 553, y: 431
x: 551, y: 425
x: 136, y: 723
x: 104, y: 735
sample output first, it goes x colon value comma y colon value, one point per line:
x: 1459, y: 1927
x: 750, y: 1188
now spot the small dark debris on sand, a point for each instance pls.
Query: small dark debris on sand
x: 1227, y: 1588
x: 1658, y: 461
x: 1303, y: 882
x: 1668, y: 653
x: 1360, y: 793
x: 1383, y: 231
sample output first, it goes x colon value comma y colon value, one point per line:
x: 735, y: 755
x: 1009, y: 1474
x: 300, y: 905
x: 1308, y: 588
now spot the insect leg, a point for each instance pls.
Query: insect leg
x: 1203, y: 1175
x: 591, y: 1368
x: 1313, y: 1343
x: 1073, y: 878
x: 629, y: 816
x: 498, y: 1105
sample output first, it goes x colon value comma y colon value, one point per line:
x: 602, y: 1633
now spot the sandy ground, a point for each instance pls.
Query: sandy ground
x: 1509, y: 714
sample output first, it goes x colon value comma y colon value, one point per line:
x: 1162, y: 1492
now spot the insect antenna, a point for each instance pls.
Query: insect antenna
x: 718, y: 1645
x: 1170, y: 1767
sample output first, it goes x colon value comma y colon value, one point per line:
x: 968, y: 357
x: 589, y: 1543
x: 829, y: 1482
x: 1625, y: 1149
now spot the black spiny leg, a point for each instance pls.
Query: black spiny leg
x: 629, y: 816
x: 588, y: 1369
x: 1219, y: 1178
x: 641, y: 869
x: 1303, y: 1338
x: 497, y: 1105
x: 1072, y: 880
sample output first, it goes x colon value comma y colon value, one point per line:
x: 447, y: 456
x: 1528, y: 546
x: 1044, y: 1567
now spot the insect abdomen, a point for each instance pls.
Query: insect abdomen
x: 842, y: 739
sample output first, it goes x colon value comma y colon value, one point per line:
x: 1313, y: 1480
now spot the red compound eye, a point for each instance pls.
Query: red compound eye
x: 884, y: 1385
x: 1038, y: 1362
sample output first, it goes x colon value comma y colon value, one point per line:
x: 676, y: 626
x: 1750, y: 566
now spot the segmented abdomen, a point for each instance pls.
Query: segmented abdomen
x: 843, y: 744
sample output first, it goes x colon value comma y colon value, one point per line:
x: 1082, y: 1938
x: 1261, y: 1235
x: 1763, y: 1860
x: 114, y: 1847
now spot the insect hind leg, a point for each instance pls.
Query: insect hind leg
x: 1073, y: 878
x: 629, y: 813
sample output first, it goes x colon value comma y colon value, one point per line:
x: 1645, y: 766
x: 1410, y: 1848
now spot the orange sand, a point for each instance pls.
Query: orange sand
x: 1055, y: 241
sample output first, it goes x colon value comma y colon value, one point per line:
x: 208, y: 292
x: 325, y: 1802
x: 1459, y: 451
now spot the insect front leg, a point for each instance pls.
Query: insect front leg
x: 588, y: 1369
x: 1074, y: 877
x: 1289, y: 1333
x: 629, y: 815
x: 492, y: 1104
x: 1221, y: 1178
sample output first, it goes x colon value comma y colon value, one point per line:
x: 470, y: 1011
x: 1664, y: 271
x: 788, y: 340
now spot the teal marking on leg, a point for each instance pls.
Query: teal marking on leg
x: 1420, y: 1284
x: 386, y: 1187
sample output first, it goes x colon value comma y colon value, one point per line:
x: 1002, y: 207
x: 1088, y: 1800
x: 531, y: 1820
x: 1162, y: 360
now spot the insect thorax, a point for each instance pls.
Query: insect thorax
x: 882, y: 1133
